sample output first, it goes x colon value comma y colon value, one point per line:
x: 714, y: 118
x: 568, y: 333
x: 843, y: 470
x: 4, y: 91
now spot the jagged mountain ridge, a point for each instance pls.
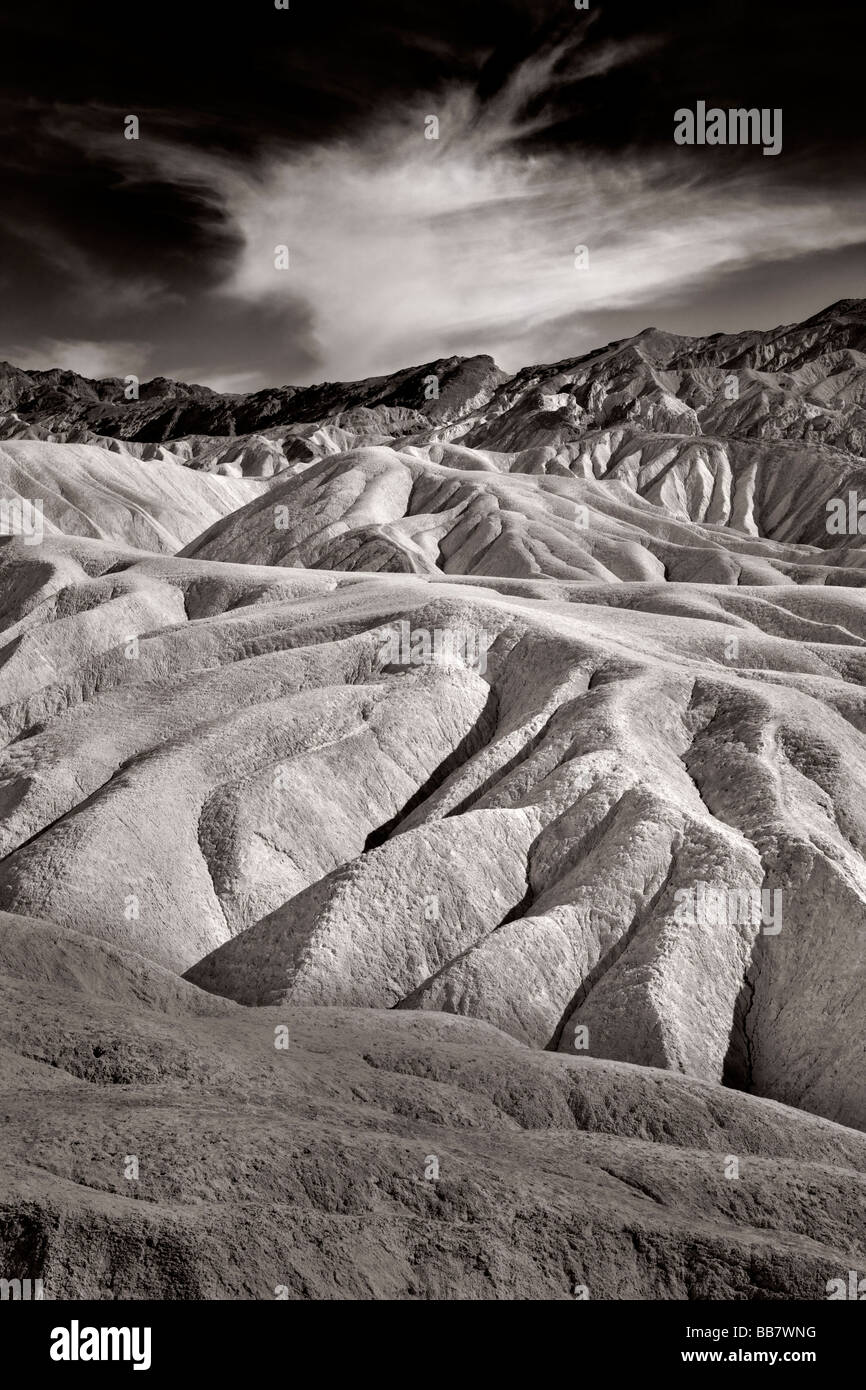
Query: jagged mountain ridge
x: 66, y: 404
x: 804, y: 381
x: 721, y: 431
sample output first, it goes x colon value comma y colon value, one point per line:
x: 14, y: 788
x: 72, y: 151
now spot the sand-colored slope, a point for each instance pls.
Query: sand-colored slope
x: 262, y: 780
x: 380, y: 509
x: 88, y: 491
x: 380, y: 1155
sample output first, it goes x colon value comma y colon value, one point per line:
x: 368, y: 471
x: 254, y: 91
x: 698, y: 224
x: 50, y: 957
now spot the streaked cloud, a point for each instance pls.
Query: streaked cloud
x: 407, y: 248
x: 403, y: 249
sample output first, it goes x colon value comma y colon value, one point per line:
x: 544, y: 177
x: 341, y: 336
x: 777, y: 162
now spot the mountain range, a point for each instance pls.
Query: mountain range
x: 297, y: 896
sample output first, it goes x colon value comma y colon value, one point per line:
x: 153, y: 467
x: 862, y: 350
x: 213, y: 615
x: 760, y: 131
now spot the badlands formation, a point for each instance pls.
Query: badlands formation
x: 432, y: 835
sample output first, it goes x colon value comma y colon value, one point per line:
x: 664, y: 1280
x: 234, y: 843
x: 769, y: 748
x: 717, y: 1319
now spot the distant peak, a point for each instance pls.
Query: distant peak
x: 841, y: 306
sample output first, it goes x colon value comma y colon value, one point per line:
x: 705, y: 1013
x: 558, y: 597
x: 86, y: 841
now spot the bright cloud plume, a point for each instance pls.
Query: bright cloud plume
x: 408, y: 248
x: 405, y: 248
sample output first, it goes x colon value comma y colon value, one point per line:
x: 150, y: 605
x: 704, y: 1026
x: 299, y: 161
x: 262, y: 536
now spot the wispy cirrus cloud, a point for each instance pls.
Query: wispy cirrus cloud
x: 407, y: 248
x: 404, y: 248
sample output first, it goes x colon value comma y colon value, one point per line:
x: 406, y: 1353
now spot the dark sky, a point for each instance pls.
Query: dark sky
x: 305, y: 127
